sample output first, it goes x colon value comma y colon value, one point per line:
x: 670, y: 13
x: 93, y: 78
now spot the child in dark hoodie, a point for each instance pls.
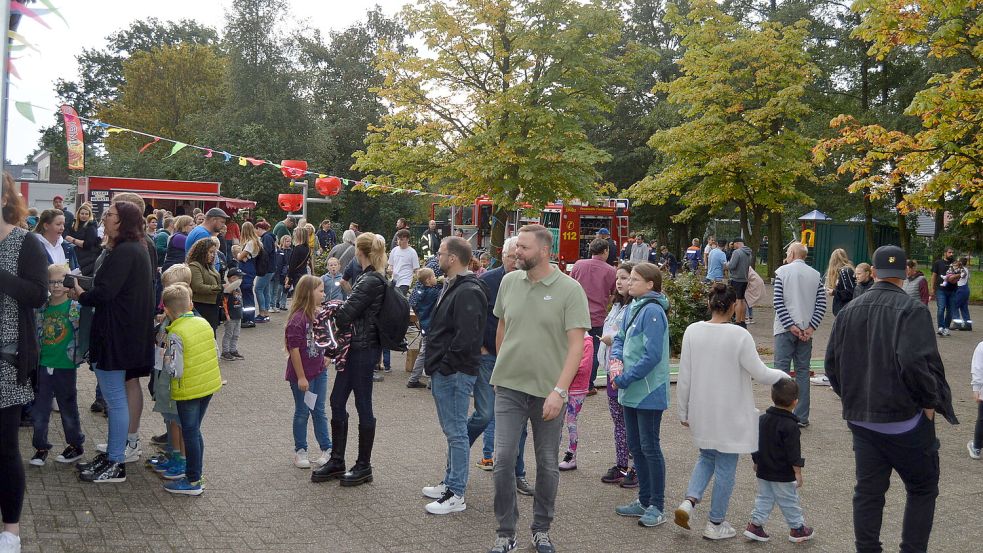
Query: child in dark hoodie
x: 422, y: 299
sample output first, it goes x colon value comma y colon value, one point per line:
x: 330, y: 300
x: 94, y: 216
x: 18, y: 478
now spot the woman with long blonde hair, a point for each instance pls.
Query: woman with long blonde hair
x: 84, y: 235
x: 359, y: 313
x: 250, y: 249
x: 306, y: 371
x: 840, y: 279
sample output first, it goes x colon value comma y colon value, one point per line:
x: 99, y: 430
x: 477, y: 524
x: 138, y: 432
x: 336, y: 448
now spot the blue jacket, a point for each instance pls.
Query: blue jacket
x: 332, y: 287
x: 493, y: 281
x: 280, y: 263
x: 422, y: 300
x: 643, y: 347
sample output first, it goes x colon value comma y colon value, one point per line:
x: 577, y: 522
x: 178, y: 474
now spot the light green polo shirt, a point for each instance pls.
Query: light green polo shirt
x: 537, y: 317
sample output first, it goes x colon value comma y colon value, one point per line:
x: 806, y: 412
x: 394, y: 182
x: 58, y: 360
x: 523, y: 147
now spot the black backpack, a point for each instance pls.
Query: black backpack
x: 263, y: 262
x: 393, y: 318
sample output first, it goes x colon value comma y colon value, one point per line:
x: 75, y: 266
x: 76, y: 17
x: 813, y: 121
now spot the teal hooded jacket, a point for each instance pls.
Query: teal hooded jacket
x: 643, y: 347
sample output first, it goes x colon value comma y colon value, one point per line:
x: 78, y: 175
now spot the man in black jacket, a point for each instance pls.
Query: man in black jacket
x: 883, y: 361
x: 457, y: 326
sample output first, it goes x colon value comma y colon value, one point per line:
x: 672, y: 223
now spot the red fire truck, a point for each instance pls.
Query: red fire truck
x: 573, y: 224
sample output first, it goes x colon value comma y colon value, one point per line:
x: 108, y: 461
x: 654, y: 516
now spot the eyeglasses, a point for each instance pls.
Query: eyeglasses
x: 110, y: 213
x: 56, y: 283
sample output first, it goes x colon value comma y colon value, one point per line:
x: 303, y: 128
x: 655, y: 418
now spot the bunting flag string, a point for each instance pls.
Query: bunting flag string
x: 26, y: 109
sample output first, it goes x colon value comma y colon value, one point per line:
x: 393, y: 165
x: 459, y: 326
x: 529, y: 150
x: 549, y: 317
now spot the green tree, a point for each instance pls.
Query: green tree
x: 500, y: 106
x: 741, y: 92
x: 944, y: 156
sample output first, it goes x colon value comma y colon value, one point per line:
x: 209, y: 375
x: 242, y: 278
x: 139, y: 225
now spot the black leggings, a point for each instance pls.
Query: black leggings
x: 209, y: 312
x: 11, y: 466
x: 357, y: 379
x: 978, y: 437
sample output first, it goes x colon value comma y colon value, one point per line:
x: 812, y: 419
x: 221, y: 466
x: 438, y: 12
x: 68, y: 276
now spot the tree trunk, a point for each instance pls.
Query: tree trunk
x: 501, y: 217
x: 869, y: 223
x: 939, y: 219
x: 902, y: 221
x: 776, y: 242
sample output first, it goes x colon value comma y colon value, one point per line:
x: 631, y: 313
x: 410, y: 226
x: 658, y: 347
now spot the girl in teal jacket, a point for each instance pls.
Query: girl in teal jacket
x: 640, y: 363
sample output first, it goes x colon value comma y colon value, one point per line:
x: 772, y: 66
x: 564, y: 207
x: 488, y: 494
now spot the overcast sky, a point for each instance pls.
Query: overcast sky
x: 89, y: 22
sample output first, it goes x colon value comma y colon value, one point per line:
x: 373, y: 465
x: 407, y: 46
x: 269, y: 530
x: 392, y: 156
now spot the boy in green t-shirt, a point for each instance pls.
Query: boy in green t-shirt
x: 58, y: 324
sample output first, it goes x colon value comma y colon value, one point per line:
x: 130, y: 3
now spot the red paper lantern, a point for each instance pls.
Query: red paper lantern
x: 293, y: 168
x: 328, y: 186
x: 290, y: 202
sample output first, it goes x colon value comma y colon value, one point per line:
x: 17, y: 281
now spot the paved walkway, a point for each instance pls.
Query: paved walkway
x: 257, y: 501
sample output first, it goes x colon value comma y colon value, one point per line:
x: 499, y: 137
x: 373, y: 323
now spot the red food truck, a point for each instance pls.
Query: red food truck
x: 178, y: 197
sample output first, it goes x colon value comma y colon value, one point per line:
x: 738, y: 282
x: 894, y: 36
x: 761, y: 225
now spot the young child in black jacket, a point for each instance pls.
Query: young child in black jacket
x: 778, y: 464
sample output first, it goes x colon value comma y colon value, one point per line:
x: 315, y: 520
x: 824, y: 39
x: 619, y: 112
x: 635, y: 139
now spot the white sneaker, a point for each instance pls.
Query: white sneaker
x: 939, y: 331
x: 973, y: 452
x: 683, y: 513
x: 720, y: 531
x: 447, y: 504
x: 435, y: 492
x: 300, y: 459
x: 323, y: 459
x: 821, y: 380
x: 132, y: 453
x: 9, y: 543
x: 945, y: 332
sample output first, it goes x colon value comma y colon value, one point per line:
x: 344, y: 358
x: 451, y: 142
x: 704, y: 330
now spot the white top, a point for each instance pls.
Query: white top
x: 977, y: 368
x: 714, y: 386
x: 55, y: 252
x: 251, y: 248
x: 404, y: 262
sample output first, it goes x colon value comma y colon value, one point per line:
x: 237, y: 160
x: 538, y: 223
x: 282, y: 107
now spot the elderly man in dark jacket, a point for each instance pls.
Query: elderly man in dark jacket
x: 883, y: 361
x: 457, y: 327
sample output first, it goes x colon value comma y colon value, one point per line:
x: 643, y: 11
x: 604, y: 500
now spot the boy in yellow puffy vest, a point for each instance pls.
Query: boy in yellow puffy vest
x: 193, y: 367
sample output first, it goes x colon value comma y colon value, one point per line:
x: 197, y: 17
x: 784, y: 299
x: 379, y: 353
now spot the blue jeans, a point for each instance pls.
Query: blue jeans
x: 357, y: 379
x: 279, y: 294
x: 385, y: 359
x: 113, y: 386
x: 642, y: 428
x: 788, y: 348
x: 60, y: 384
x: 959, y: 306
x: 943, y: 307
x: 191, y: 412
x: 484, y: 406
x: 318, y: 385
x: 785, y: 495
x: 452, y: 396
x: 263, y: 294
x: 722, y: 467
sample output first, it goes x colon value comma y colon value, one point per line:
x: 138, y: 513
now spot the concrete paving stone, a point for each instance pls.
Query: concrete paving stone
x: 255, y: 499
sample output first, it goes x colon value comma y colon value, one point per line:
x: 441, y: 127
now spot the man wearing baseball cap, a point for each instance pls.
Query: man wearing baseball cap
x: 612, y: 247
x: 215, y: 220
x: 883, y: 361
x: 58, y: 202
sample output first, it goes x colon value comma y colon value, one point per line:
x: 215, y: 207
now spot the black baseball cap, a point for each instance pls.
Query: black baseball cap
x: 890, y: 262
x: 233, y: 272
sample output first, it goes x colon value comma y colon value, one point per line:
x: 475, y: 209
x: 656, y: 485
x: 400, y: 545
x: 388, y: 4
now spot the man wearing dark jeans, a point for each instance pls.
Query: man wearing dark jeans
x: 883, y: 361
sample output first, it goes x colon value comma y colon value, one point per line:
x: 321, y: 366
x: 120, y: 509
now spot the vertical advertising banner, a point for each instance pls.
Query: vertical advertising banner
x: 74, y: 137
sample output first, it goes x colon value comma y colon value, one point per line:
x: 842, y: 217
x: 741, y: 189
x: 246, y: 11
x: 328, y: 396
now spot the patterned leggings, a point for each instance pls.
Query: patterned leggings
x: 620, y: 438
x: 574, y: 403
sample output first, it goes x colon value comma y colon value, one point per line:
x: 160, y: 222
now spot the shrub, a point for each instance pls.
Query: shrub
x: 687, y: 295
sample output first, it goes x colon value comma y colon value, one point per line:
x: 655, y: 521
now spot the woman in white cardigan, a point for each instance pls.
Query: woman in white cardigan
x: 716, y: 366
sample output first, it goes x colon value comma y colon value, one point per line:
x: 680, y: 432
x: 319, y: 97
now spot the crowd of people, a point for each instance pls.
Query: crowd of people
x: 502, y: 350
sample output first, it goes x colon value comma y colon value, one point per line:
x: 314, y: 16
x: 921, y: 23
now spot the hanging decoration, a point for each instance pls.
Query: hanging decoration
x: 293, y: 168
x: 285, y: 167
x: 290, y: 202
x: 328, y: 186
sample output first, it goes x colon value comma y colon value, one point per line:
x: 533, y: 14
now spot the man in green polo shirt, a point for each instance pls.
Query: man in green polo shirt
x: 284, y: 227
x: 542, y: 316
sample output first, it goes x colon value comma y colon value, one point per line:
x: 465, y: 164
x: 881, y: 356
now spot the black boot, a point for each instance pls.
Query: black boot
x: 362, y: 471
x: 335, y: 467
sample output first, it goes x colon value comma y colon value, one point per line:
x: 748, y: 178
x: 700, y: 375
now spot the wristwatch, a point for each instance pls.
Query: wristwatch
x: 561, y: 392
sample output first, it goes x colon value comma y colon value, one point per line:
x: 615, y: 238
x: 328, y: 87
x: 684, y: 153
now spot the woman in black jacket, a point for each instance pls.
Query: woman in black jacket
x: 23, y: 288
x: 359, y: 312
x: 84, y: 235
x: 121, y: 342
x: 300, y: 256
